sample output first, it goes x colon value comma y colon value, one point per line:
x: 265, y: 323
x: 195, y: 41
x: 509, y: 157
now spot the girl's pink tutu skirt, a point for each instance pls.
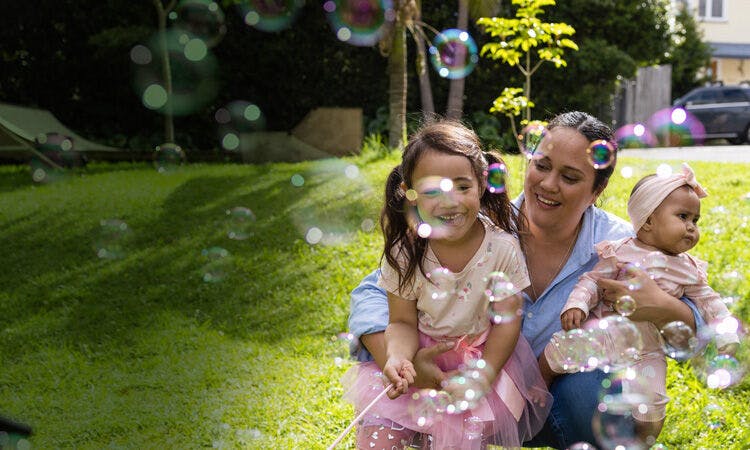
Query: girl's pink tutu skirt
x: 512, y: 411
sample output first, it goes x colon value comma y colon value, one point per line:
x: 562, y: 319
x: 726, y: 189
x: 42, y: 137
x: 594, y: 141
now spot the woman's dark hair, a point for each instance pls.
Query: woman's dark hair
x: 402, y: 243
x: 592, y: 129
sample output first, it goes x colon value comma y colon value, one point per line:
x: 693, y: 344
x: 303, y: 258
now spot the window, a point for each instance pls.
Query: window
x: 711, y: 9
x: 734, y: 95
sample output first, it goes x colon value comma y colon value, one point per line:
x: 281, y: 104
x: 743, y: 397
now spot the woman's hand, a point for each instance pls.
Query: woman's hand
x: 429, y: 375
x: 401, y: 373
x: 652, y: 303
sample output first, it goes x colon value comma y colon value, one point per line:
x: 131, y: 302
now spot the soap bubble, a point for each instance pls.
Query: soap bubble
x: 216, y: 269
x: 270, y: 15
x: 193, y: 68
x: 442, y: 284
x: 467, y: 387
x: 723, y: 363
x: 241, y: 223
x: 339, y: 348
x: 634, y: 136
x: 426, y: 405
x: 202, y: 19
x: 327, y: 218
x: 621, y: 397
x: 679, y: 341
x: 168, y: 157
x: 453, y: 53
x: 676, y: 127
x: 359, y: 22
x: 601, y: 153
x: 236, y: 122
x: 625, y: 305
x: 620, y: 338
x: 111, y: 240
x: 581, y: 446
x: 713, y: 415
x: 497, y: 173
x: 530, y: 139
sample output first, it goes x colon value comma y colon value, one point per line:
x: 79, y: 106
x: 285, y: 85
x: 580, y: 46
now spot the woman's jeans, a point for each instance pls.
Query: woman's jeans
x: 576, y: 397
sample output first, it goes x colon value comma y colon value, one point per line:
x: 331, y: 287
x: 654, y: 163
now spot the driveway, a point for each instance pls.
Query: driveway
x: 716, y: 153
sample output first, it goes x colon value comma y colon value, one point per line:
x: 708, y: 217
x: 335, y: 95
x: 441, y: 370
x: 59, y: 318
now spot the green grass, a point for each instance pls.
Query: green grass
x: 140, y: 352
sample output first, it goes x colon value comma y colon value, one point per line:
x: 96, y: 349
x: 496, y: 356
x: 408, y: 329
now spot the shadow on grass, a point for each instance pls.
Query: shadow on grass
x: 274, y: 289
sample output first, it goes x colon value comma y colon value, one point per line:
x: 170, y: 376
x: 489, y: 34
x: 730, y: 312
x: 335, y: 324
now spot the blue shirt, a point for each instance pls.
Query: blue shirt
x: 369, y: 302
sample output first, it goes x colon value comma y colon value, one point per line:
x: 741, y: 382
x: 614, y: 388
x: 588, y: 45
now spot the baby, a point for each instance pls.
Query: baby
x: 664, y: 212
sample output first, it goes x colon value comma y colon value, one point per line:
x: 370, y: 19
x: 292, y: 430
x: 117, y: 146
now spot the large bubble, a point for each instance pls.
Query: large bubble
x: 634, y: 136
x: 270, y: 15
x: 112, y: 238
x: 323, y: 213
x: 191, y: 78
x: 724, y: 362
x: 622, y: 397
x: 676, y: 127
x: 236, y: 122
x: 426, y: 405
x: 620, y: 338
x: 53, y: 152
x: 453, y: 53
x: 679, y: 341
x: 359, y: 22
x: 467, y: 387
x: 202, y: 19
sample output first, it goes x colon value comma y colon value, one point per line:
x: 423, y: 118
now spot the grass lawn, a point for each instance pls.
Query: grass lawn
x: 141, y: 352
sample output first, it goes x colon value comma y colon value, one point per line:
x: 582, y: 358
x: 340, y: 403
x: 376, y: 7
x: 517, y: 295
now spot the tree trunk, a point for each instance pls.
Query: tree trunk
x: 455, y: 107
x: 166, y: 68
x: 397, y: 85
x: 425, y: 88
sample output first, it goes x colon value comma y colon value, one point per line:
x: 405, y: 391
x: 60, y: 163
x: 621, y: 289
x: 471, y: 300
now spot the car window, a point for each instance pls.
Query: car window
x: 704, y: 97
x: 734, y: 95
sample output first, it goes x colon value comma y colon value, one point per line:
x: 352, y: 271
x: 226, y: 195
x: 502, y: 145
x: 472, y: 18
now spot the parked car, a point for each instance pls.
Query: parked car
x: 724, y: 111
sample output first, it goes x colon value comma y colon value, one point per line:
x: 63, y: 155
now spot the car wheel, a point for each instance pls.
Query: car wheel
x: 746, y: 134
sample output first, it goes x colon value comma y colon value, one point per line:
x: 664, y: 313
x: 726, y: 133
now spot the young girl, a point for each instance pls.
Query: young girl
x: 445, y: 235
x: 664, y: 212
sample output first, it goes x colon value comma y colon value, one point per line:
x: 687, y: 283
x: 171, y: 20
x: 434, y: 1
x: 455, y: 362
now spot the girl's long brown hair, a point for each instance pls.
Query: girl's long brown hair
x: 402, y: 243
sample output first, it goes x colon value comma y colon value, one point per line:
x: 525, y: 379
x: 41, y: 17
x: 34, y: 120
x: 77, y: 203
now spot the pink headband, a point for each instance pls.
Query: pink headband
x: 654, y: 190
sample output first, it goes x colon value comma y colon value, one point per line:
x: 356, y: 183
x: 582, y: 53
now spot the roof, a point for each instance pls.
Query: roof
x: 727, y: 50
x: 20, y: 125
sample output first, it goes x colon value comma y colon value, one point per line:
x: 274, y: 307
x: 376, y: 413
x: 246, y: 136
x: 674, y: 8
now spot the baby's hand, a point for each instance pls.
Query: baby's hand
x: 401, y: 373
x: 572, y: 318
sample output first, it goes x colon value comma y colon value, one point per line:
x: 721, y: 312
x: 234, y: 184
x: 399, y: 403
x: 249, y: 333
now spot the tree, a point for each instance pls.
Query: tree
x: 688, y: 54
x: 161, y: 12
x: 520, y: 35
x: 474, y: 9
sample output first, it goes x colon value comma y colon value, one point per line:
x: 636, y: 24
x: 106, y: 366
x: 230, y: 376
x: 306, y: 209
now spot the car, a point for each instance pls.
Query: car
x: 724, y: 111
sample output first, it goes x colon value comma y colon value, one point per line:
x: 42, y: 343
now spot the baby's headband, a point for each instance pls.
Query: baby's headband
x: 652, y: 191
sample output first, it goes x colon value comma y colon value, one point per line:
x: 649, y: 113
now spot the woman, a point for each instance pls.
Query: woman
x: 560, y: 189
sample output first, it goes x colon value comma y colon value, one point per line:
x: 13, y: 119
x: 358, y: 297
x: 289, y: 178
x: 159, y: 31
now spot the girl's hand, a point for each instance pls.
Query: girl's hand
x: 401, y: 373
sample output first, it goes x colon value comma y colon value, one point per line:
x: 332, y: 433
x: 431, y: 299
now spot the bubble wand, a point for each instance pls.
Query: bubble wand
x: 359, y: 416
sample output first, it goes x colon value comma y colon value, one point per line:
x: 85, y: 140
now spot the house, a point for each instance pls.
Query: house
x: 724, y: 24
